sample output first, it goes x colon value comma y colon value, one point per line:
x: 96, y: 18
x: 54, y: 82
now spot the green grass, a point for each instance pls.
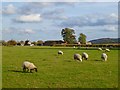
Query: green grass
x: 58, y: 71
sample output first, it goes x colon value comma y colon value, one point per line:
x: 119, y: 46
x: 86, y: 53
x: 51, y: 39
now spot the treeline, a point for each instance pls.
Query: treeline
x: 56, y: 43
x: 29, y: 43
x: 21, y: 43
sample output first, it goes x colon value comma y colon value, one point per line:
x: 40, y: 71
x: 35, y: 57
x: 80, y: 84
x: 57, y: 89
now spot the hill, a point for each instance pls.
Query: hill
x: 105, y: 41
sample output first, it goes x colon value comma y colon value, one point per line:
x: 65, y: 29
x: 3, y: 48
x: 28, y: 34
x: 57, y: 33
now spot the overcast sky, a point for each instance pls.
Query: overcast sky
x: 45, y: 20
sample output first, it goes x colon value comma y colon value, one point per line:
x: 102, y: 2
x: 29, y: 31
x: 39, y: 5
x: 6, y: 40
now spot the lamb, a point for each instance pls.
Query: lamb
x: 77, y: 57
x: 100, y: 49
x: 28, y: 66
x: 107, y: 50
x: 104, y: 56
x: 84, y: 56
x: 60, y: 52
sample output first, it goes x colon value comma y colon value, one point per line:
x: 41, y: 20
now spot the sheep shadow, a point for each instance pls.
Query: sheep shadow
x: 67, y: 60
x: 17, y: 71
x: 98, y: 60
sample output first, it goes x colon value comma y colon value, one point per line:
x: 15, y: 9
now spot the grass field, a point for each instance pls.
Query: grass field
x: 58, y: 71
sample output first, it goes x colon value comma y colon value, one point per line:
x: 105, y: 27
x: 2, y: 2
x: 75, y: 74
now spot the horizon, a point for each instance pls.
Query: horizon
x: 56, y: 40
x: 45, y: 20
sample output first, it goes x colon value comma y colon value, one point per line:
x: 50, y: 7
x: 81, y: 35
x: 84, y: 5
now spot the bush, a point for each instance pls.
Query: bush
x: 11, y: 43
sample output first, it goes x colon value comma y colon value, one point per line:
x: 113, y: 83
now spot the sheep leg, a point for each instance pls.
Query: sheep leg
x: 27, y: 69
x: 35, y: 69
x: 24, y: 69
x: 82, y: 57
x: 31, y: 70
x: 78, y: 60
x: 102, y: 58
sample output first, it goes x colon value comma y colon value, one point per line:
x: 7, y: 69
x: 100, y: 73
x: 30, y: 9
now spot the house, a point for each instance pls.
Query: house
x: 88, y: 43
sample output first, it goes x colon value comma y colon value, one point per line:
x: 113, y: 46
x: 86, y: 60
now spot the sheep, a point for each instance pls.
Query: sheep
x: 77, y: 57
x: 107, y: 50
x: 60, y: 52
x: 104, y: 56
x: 84, y: 56
x: 100, y: 49
x: 28, y: 66
x: 73, y: 46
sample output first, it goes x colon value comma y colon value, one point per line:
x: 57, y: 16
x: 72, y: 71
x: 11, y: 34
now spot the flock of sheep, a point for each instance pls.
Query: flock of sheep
x: 28, y: 66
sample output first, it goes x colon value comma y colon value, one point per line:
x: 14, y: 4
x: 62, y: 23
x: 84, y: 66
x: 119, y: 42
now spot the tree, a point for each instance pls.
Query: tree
x: 20, y: 43
x: 11, y: 42
x: 40, y: 42
x: 82, y: 38
x: 68, y: 35
x: 3, y: 43
x: 34, y: 43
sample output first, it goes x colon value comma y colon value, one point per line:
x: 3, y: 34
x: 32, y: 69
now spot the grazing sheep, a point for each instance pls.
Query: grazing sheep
x: 60, y: 52
x: 84, y: 56
x: 104, y: 56
x: 100, y: 49
x: 77, y: 57
x: 107, y: 50
x: 28, y: 66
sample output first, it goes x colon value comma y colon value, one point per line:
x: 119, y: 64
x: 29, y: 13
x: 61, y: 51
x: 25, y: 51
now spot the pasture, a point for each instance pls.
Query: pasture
x: 58, y: 71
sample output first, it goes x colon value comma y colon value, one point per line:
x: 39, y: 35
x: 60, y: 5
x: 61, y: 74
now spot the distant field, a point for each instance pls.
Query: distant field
x: 58, y: 71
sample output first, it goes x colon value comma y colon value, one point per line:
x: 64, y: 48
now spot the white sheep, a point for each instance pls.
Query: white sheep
x: 107, y: 50
x: 28, y: 66
x: 100, y: 49
x: 84, y: 55
x: 104, y: 56
x: 73, y: 46
x: 77, y: 57
x: 60, y: 52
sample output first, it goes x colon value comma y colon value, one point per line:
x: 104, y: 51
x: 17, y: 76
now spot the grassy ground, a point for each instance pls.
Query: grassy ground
x: 58, y: 71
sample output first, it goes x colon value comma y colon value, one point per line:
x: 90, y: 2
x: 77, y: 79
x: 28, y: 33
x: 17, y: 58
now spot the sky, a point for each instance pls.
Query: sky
x: 45, y: 20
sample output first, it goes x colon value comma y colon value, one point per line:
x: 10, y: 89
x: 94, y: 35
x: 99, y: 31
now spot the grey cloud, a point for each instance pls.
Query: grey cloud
x: 49, y: 4
x: 32, y: 7
x: 10, y: 9
x: 92, y: 20
x: 56, y: 14
x: 111, y: 28
x: 12, y: 30
x: 53, y: 12
x: 8, y: 30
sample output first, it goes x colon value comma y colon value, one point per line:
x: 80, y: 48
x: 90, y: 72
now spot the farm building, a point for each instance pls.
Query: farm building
x: 27, y: 43
x: 52, y: 42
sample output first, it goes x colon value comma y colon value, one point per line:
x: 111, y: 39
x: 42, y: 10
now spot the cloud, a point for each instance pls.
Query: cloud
x: 41, y: 4
x: 61, y: 0
x: 91, y: 20
x: 9, y: 30
x: 54, y: 14
x: 31, y: 18
x: 13, y: 30
x: 27, y: 31
x: 50, y: 4
x: 110, y: 28
x: 25, y: 10
x: 0, y: 11
x: 10, y: 9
